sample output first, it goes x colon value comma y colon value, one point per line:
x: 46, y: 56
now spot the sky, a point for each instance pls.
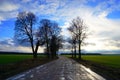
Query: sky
x: 102, y: 17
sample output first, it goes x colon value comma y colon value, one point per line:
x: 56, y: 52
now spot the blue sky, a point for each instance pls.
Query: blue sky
x: 101, y: 16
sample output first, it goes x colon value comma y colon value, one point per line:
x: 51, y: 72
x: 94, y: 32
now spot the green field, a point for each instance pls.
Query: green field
x: 109, y: 60
x: 12, y: 58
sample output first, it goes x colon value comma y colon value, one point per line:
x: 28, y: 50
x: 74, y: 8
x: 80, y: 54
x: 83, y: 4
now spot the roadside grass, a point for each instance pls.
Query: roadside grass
x: 108, y: 60
x: 13, y: 58
x: 12, y: 64
x: 5, y: 59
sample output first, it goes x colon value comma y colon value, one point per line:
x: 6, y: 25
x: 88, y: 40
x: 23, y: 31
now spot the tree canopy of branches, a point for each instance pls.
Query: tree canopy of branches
x: 56, y: 39
x: 78, y: 30
x: 44, y: 33
x: 47, y: 34
x: 50, y: 33
x: 24, y: 30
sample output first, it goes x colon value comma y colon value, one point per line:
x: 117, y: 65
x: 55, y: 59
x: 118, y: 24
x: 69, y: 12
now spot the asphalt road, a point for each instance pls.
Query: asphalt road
x: 60, y: 69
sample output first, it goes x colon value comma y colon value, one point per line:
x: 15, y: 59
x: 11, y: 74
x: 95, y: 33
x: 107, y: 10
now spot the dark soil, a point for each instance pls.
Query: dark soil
x: 9, y: 70
x: 110, y: 73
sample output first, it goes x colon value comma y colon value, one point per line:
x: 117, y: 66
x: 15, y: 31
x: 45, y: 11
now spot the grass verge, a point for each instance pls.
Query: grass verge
x: 13, y: 58
x: 108, y: 60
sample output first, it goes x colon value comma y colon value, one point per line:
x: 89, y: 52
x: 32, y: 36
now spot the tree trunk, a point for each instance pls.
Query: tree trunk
x: 79, y: 50
x: 32, y: 46
x: 52, y: 54
x: 36, y: 49
x: 35, y: 55
x: 75, y: 51
x: 55, y: 54
x: 72, y: 52
x: 48, y: 51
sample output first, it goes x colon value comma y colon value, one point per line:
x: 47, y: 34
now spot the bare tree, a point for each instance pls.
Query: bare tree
x: 56, y: 39
x: 78, y: 30
x: 24, y: 30
x: 44, y: 30
x: 50, y: 33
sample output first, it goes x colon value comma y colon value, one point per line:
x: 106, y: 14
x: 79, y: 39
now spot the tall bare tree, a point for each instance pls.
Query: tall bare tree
x: 24, y: 30
x: 45, y: 32
x: 79, y: 30
x: 56, y: 39
x: 50, y: 33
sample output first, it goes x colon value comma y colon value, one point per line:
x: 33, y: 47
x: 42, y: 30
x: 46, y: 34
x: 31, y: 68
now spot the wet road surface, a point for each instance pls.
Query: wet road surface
x: 60, y: 69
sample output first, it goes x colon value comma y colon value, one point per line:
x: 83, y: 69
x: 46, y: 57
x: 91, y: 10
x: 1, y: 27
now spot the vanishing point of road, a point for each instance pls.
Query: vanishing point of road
x: 60, y: 69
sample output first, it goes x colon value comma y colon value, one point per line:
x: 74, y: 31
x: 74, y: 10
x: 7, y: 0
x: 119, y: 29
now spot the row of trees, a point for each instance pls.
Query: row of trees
x: 38, y: 33
x: 47, y: 33
x: 78, y: 32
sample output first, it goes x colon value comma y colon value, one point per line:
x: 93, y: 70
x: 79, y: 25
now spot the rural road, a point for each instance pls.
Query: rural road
x: 60, y: 69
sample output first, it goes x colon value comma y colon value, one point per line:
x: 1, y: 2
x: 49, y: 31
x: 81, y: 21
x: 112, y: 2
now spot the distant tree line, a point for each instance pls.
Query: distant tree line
x: 38, y: 33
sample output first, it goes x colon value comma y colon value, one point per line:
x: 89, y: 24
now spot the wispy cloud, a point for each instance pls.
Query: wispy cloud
x: 8, y: 10
x: 8, y: 6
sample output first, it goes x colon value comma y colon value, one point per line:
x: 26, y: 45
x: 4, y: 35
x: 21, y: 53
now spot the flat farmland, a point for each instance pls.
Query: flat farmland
x: 108, y: 60
x: 12, y: 58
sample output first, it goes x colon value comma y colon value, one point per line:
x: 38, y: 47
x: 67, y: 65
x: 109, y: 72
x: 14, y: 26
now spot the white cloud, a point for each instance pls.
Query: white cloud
x: 8, y: 9
x: 97, y: 21
x: 7, y: 6
x: 26, y: 1
x: 103, y: 28
x: 47, y: 7
x: 7, y: 15
x: 65, y: 32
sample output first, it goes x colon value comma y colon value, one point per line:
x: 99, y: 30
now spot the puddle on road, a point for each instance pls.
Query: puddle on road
x: 62, y: 78
x: 31, y: 76
x: 92, y: 74
x: 77, y: 74
x: 16, y: 77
